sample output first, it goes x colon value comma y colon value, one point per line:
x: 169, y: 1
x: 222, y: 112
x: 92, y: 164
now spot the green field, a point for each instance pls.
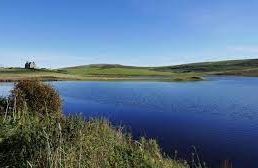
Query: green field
x: 186, y: 72
x: 119, y: 72
x: 15, y: 74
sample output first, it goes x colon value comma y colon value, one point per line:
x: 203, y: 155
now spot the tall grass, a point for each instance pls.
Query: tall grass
x: 31, y: 137
x: 30, y: 141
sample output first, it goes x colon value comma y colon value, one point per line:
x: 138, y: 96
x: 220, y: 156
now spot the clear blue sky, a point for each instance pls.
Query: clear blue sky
x: 58, y: 33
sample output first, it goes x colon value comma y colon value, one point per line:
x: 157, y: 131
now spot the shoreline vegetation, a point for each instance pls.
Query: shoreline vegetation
x: 34, y: 133
x: 115, y: 72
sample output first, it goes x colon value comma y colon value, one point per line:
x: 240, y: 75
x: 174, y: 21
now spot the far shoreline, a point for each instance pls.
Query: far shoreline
x: 115, y: 72
x: 107, y: 79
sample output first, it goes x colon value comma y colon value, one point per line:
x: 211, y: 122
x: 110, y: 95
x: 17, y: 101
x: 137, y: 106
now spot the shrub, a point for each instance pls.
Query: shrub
x: 3, y: 104
x: 36, y: 97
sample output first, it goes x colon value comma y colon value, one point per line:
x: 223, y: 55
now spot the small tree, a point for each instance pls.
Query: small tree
x: 37, y: 97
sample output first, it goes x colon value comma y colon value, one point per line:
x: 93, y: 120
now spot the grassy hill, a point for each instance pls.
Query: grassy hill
x: 248, y: 67
x: 113, y: 70
x: 185, y: 72
x: 120, y: 72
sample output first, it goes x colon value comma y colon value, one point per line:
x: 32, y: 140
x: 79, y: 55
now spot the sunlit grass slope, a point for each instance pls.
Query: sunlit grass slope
x: 13, y: 74
x: 114, y: 70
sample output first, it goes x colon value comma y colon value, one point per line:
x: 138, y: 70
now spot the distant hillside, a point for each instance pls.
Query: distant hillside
x: 113, y: 70
x: 186, y: 72
x: 213, y: 66
x: 248, y: 67
x: 104, y: 66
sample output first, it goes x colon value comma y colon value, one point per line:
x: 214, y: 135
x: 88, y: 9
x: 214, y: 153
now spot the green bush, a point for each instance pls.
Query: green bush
x: 36, y: 96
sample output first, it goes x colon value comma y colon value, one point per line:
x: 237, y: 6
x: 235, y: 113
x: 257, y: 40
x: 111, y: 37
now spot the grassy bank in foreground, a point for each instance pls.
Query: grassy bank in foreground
x: 30, y: 141
x: 34, y: 133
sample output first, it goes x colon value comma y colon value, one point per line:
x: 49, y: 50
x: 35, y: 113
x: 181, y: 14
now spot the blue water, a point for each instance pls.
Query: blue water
x: 219, y: 116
